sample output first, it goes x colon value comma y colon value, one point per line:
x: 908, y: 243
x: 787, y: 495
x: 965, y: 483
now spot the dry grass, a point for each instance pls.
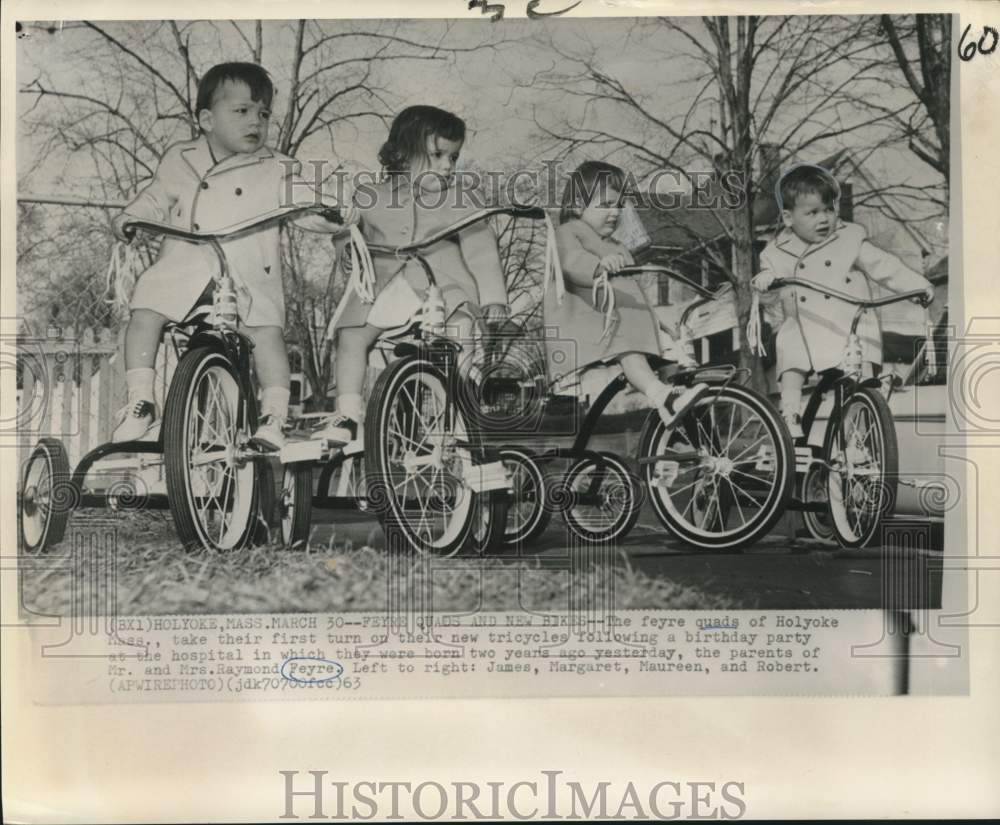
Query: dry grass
x: 153, y: 575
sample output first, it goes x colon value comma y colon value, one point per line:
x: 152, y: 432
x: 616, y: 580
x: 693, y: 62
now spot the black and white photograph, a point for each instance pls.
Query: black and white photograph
x: 400, y: 391
x: 481, y: 297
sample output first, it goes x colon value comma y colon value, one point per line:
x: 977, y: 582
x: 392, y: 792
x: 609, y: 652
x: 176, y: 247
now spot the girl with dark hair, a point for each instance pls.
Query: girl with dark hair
x: 414, y: 200
x: 587, y: 334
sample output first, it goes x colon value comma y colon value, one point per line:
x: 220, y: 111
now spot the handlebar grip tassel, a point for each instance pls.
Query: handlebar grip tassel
x: 360, y: 282
x: 124, y: 269
x: 605, y: 302
x: 362, y: 268
x: 553, y: 270
x: 753, y: 326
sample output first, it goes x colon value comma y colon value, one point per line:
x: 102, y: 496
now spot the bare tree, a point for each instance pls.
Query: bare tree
x: 744, y: 84
x: 921, y: 48
x: 100, y: 114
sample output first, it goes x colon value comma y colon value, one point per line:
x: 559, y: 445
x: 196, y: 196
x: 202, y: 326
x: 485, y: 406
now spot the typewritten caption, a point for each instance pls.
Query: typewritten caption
x: 351, y: 655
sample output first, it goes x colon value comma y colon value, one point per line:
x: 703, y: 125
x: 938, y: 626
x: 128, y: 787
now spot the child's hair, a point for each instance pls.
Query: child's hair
x: 590, y: 178
x: 409, y: 132
x: 256, y: 77
x: 806, y: 179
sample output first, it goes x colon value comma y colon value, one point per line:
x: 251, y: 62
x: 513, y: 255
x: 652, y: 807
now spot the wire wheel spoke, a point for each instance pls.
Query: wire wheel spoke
x: 739, y: 480
x: 863, y: 451
x: 419, y: 453
x: 218, y: 484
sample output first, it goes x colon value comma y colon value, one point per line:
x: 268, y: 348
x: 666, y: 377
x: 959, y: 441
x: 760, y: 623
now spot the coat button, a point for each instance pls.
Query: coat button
x: 827, y: 297
x: 803, y: 299
x: 847, y: 280
x: 802, y: 265
x: 204, y: 184
x: 827, y: 263
x: 195, y: 227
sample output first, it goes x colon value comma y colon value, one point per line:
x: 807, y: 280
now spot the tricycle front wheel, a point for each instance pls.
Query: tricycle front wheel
x: 212, y: 488
x: 862, y: 453
x: 722, y: 475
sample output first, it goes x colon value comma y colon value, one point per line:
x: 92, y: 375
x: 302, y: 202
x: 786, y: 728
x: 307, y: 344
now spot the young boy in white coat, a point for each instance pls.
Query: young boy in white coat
x: 816, y: 246
x: 223, y: 177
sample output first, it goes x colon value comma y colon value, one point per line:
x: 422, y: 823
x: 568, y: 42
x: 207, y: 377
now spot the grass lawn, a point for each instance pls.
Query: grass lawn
x: 153, y: 575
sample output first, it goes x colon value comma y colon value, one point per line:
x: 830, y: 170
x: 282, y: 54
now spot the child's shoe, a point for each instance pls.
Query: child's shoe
x: 794, y: 423
x: 135, y: 420
x: 678, y: 400
x: 270, y: 433
x: 339, y: 427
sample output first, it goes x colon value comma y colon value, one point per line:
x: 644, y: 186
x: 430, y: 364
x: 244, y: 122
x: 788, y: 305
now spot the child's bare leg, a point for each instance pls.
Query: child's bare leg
x: 142, y: 339
x: 669, y: 401
x: 791, y: 382
x: 271, y: 364
x: 353, y: 346
x: 639, y: 374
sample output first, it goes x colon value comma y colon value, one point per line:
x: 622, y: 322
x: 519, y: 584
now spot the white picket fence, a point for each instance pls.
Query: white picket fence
x: 71, y: 384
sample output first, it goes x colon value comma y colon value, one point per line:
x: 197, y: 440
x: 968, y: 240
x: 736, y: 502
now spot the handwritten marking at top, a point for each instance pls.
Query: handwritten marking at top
x: 497, y: 9
x: 537, y: 15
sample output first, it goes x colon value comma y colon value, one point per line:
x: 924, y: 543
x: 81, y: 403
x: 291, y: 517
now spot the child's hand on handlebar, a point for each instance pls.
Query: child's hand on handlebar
x: 615, y: 261
x: 928, y: 298
x: 341, y: 215
x: 763, y: 280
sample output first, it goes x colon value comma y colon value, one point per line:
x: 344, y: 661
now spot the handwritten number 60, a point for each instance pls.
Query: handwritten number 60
x: 967, y: 51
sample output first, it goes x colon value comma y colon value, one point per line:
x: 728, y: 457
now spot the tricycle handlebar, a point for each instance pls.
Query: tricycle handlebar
x: 515, y: 211
x: 158, y: 227
x: 918, y: 295
x: 708, y: 294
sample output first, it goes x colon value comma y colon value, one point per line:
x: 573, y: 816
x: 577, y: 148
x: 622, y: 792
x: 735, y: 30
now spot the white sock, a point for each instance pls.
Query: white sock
x: 350, y: 404
x: 140, y: 383
x: 658, y: 393
x: 274, y: 401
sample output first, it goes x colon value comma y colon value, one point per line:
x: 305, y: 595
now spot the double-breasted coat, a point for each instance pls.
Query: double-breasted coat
x: 466, y: 265
x: 812, y: 327
x: 194, y: 192
x: 575, y: 326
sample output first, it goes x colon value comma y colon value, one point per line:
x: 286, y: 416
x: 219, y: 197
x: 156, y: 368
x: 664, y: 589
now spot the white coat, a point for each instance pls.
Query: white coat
x: 814, y: 327
x: 193, y: 192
